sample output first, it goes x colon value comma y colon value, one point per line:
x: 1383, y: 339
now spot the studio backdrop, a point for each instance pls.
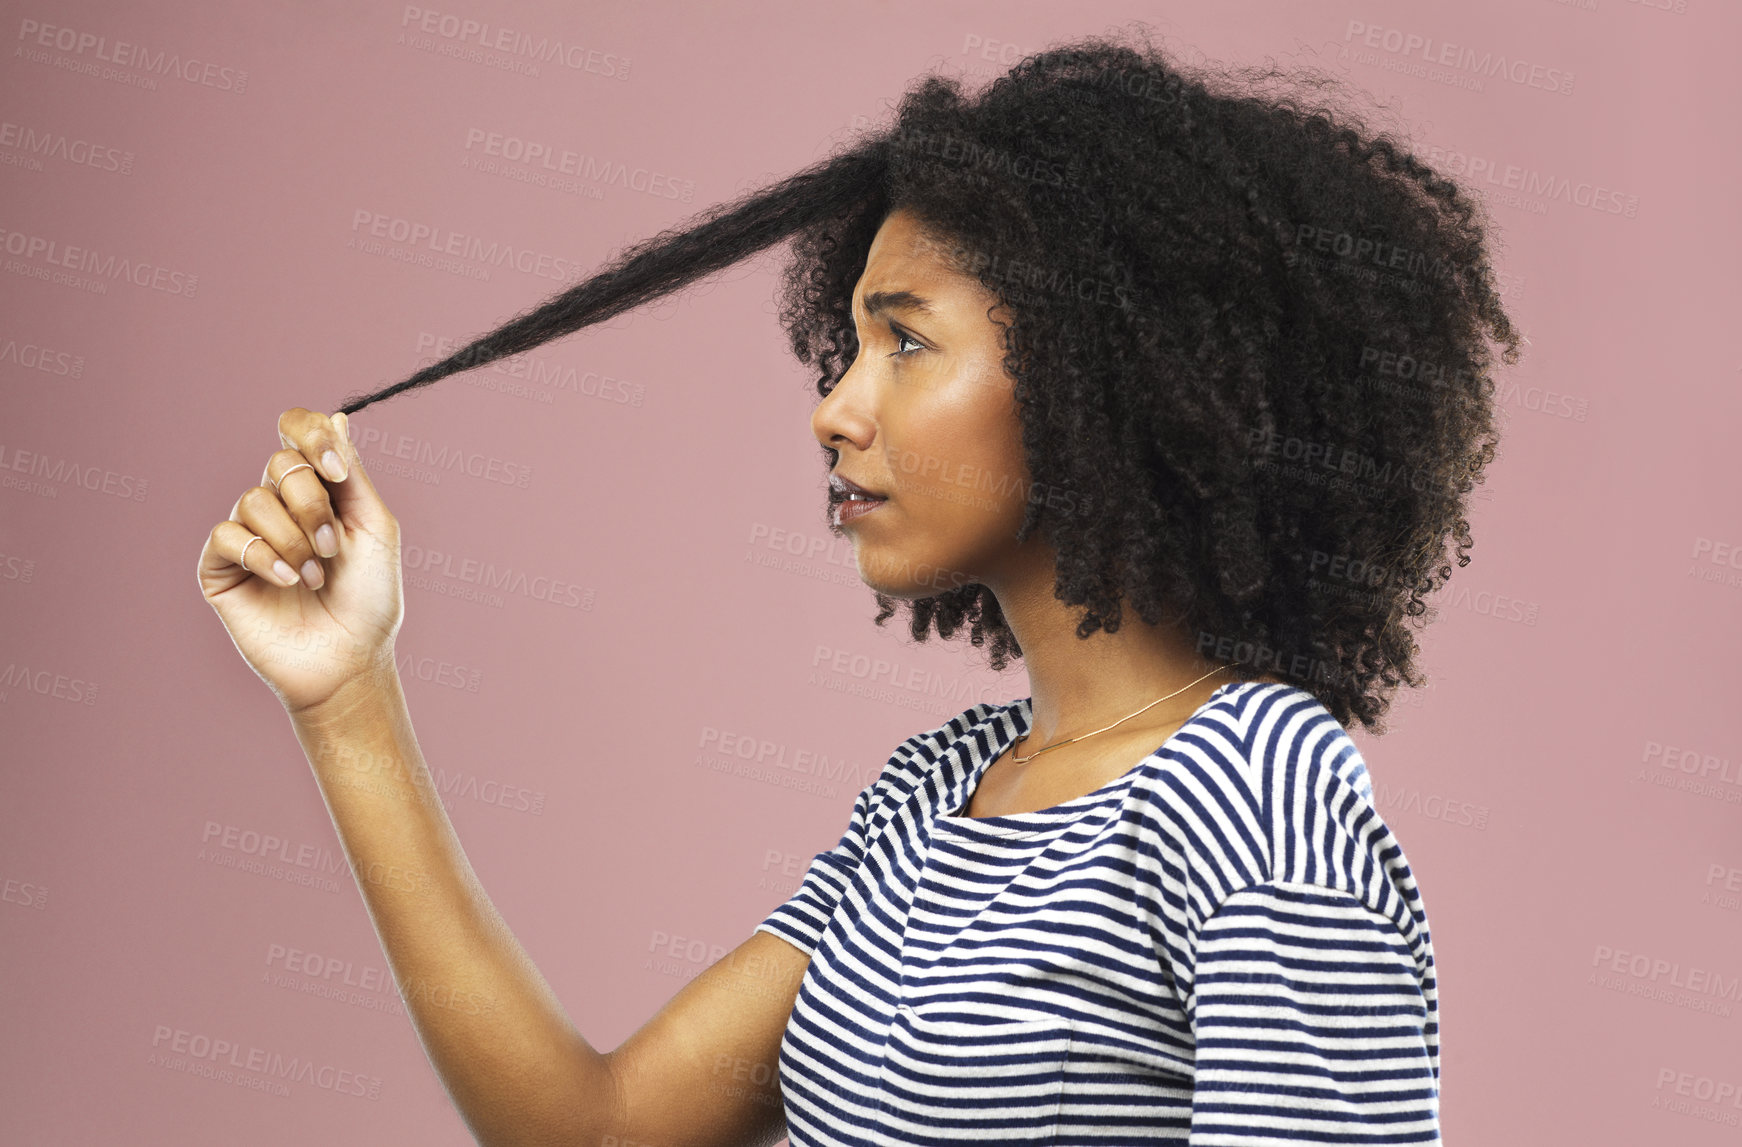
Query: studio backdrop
x: 644, y: 674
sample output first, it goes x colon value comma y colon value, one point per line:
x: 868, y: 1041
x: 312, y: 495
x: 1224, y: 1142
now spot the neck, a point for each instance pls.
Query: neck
x: 1079, y: 685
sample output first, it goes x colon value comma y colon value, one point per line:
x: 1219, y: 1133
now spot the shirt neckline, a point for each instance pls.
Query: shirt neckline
x: 1011, y: 720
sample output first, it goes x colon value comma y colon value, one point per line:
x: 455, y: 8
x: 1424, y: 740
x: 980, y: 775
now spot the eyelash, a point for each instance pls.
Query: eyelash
x: 900, y: 336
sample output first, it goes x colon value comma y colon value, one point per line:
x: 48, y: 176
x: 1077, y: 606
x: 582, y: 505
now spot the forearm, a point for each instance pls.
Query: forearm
x: 511, y: 1060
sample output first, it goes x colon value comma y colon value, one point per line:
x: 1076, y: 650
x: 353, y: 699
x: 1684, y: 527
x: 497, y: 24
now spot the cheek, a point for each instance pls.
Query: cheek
x: 958, y: 455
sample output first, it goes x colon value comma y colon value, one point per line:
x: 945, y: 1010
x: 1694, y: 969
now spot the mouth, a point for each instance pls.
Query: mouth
x: 849, y: 500
x: 852, y: 509
x: 845, y: 490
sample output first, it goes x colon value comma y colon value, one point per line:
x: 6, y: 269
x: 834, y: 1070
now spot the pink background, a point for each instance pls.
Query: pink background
x: 1584, y: 887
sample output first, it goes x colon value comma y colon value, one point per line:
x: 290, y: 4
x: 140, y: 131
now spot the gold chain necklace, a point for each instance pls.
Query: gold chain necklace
x: 1120, y: 721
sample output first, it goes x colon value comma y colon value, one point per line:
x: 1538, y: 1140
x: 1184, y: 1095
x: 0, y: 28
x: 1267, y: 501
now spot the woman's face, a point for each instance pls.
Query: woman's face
x: 925, y: 416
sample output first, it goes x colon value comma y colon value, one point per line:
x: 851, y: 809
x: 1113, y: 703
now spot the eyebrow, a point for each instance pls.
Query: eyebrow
x: 881, y: 302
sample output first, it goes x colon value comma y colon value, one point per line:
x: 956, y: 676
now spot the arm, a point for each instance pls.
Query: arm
x: 701, y: 1071
x: 1313, y: 1024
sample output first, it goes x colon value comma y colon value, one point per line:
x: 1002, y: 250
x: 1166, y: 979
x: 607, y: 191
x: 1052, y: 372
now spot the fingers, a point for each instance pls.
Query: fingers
x: 317, y: 439
x: 313, y: 435
x: 231, y: 538
x: 279, y: 529
x: 305, y: 496
x: 261, y: 512
x: 357, y: 488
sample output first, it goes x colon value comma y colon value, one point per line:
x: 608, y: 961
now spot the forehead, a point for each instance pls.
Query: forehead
x: 905, y: 257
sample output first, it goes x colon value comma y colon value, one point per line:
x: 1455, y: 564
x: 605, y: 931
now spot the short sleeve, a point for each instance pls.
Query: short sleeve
x: 802, y: 919
x: 1313, y: 1024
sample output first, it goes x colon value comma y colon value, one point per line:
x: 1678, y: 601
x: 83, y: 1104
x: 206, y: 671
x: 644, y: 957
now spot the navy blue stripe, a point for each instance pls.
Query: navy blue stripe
x: 1226, y: 942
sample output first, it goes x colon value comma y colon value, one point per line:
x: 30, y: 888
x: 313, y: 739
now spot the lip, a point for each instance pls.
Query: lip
x: 840, y: 487
x: 851, y: 511
x: 844, y: 508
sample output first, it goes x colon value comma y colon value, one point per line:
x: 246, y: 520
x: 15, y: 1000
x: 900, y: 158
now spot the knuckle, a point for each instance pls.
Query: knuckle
x: 295, y: 548
x: 257, y: 498
x: 294, y: 424
x: 310, y: 508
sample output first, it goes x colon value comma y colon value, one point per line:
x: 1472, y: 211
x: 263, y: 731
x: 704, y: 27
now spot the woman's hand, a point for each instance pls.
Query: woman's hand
x: 318, y: 601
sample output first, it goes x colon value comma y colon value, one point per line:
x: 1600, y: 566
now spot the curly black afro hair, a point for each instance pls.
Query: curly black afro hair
x: 1249, y: 336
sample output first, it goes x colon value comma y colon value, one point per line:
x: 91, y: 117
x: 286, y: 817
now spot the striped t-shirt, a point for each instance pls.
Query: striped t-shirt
x: 1224, y: 945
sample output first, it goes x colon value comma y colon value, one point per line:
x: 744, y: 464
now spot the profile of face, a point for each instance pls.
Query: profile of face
x: 926, y: 417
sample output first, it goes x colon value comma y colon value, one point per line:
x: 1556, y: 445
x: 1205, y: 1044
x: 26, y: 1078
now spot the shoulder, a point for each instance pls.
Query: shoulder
x: 922, y: 750
x: 1255, y: 729
x: 920, y: 759
x: 1260, y: 751
x: 1265, y: 786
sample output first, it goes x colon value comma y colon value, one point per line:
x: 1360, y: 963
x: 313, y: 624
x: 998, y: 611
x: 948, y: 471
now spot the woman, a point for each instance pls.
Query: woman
x: 1105, y: 335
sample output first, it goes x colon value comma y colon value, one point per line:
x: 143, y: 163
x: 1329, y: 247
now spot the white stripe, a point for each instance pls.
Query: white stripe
x: 1012, y: 980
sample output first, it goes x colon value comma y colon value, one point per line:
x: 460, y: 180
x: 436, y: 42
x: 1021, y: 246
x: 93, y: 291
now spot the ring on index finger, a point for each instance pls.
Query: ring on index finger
x: 288, y: 473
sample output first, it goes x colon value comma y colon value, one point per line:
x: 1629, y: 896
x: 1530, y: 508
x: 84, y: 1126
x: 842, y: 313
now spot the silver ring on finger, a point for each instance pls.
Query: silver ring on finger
x: 288, y: 473
x: 242, y: 558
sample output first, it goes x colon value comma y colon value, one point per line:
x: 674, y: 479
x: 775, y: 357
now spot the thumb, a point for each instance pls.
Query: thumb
x: 355, y: 499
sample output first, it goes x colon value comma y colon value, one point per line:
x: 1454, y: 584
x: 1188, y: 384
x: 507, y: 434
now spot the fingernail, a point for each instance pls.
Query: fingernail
x: 284, y: 572
x: 344, y: 425
x: 335, y: 468
x: 311, y: 573
x: 325, y: 542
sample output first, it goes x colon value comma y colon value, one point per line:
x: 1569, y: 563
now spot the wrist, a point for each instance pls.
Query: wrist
x: 362, y: 698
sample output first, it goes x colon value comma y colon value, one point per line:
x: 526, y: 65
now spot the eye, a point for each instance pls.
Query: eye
x: 902, y: 336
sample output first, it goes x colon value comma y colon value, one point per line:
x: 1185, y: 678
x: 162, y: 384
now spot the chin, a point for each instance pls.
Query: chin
x: 907, y: 577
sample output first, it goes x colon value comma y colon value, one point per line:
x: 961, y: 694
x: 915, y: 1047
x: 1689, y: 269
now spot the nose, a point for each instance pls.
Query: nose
x: 842, y: 417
